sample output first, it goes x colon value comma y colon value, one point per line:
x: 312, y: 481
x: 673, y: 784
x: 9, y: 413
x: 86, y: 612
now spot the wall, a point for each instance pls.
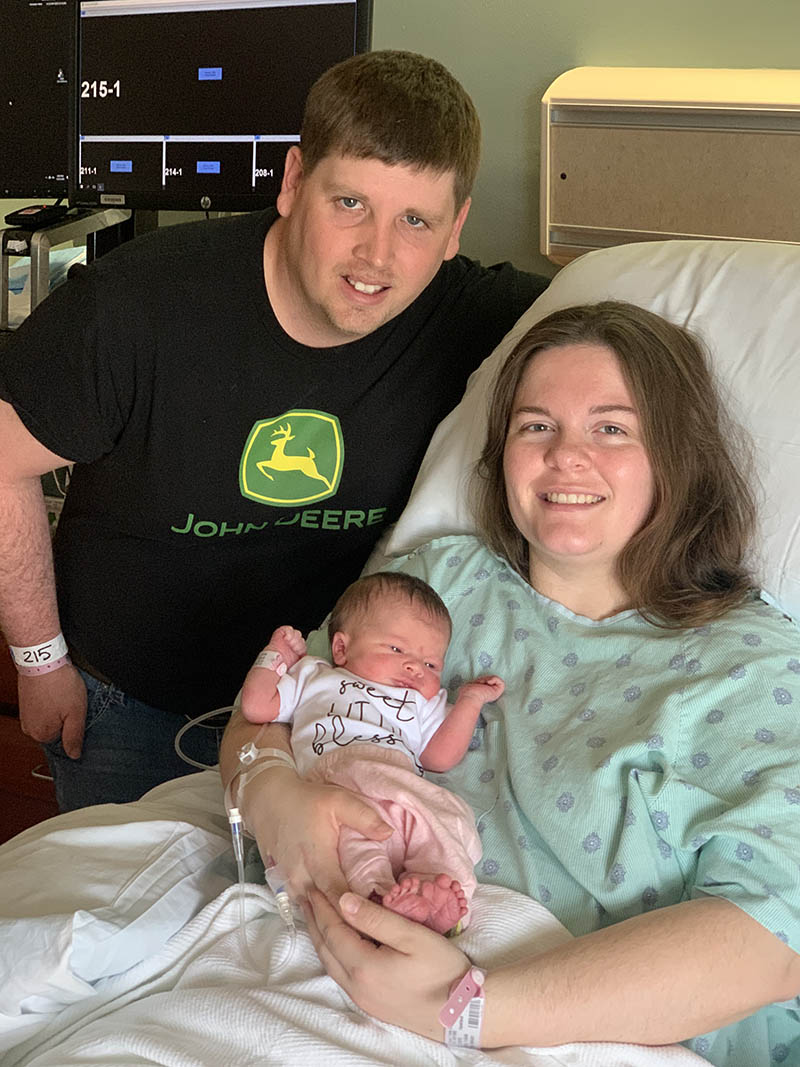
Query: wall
x: 506, y: 52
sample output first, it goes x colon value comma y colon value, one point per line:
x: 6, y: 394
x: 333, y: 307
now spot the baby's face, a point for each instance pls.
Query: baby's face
x: 395, y: 643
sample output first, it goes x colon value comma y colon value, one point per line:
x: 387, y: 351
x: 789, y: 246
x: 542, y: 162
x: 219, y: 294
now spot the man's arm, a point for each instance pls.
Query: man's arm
x: 54, y: 703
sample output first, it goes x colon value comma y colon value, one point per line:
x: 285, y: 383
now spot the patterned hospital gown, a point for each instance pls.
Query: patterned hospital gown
x: 629, y: 767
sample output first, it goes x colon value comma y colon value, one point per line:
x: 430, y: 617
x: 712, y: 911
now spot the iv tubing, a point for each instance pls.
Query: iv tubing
x: 276, y: 881
x: 188, y: 726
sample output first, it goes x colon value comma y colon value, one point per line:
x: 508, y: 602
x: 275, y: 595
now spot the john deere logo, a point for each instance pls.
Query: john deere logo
x: 293, y: 459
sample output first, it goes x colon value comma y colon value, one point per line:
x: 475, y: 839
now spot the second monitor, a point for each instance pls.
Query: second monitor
x: 192, y: 104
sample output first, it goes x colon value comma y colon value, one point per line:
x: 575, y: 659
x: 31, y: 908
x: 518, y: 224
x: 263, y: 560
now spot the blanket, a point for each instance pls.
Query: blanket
x: 157, y: 971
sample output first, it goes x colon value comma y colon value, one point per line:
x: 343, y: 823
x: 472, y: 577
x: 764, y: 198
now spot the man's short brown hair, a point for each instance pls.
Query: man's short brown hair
x: 398, y: 107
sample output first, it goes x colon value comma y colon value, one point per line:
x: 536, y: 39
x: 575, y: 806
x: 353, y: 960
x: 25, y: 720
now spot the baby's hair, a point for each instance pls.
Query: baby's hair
x: 359, y: 597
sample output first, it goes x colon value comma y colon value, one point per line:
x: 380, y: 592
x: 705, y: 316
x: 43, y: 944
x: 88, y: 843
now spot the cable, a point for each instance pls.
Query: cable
x: 188, y: 726
x: 275, y: 879
x: 62, y: 489
x: 237, y: 834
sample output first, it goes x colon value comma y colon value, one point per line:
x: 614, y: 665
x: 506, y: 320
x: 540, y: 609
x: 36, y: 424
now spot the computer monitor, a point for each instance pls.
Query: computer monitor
x: 35, y: 85
x: 193, y: 104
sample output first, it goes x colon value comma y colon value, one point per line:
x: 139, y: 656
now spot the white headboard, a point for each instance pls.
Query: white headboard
x: 639, y: 154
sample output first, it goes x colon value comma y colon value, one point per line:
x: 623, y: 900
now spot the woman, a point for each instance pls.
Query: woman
x: 638, y: 776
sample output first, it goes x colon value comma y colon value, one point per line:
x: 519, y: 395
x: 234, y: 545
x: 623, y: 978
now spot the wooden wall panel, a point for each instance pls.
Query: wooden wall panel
x: 711, y: 183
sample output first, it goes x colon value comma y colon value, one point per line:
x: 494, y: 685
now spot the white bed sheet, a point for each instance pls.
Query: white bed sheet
x: 120, y: 944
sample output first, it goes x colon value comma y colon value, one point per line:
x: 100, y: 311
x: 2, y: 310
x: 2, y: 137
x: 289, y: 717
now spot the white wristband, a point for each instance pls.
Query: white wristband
x: 40, y: 659
x: 271, y: 660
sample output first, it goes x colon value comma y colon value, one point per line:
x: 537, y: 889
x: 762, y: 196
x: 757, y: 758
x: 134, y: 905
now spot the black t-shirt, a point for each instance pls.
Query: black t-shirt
x: 228, y: 479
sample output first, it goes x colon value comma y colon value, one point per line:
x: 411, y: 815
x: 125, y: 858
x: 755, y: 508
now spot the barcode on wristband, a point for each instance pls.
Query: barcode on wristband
x: 465, y: 1032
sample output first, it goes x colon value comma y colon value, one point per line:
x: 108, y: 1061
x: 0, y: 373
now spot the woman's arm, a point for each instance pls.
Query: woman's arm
x: 294, y: 821
x: 661, y: 977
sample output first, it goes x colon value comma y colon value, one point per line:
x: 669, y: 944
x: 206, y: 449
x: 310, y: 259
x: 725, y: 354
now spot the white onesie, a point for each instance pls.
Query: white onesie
x: 330, y: 709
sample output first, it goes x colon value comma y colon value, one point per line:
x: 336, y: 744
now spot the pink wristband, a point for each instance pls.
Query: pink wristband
x: 462, y: 1014
x: 43, y: 668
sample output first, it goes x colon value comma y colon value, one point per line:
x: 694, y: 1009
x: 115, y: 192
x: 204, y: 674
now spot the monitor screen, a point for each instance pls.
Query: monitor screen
x: 35, y: 76
x: 192, y: 104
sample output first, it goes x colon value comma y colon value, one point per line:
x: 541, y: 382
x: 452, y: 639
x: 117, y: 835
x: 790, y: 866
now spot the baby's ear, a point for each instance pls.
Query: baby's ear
x: 339, y: 649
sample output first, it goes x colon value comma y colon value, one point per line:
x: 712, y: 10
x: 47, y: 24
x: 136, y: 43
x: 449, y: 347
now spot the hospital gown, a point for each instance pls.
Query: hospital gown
x: 629, y: 767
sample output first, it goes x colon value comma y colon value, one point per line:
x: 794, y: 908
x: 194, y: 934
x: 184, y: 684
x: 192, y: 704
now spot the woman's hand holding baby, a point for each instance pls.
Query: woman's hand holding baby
x: 404, y: 978
x: 298, y: 822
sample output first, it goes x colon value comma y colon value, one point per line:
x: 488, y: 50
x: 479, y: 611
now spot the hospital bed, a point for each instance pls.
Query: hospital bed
x: 119, y: 925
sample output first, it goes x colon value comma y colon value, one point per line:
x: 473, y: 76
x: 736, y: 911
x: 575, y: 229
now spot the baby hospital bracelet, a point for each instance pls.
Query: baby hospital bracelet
x: 40, y: 659
x: 462, y: 1014
x: 271, y: 660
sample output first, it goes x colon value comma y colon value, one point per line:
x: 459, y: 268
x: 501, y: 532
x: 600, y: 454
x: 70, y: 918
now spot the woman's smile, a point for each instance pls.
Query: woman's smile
x: 578, y: 477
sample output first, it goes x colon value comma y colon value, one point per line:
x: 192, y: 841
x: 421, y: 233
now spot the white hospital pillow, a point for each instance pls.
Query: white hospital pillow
x: 743, y: 299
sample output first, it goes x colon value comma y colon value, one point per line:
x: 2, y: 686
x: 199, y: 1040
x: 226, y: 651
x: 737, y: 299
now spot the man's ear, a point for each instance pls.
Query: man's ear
x: 291, y: 181
x: 339, y: 649
x: 455, y: 233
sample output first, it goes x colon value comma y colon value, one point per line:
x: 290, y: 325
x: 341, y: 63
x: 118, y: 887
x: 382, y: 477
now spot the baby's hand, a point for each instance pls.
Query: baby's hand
x: 486, y: 689
x: 290, y: 643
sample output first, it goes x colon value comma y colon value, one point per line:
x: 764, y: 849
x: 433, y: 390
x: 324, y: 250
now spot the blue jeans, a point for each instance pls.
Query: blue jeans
x: 128, y: 748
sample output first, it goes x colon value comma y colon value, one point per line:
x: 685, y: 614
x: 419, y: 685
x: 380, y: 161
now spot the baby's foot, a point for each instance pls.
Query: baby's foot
x: 438, y: 903
x: 290, y: 643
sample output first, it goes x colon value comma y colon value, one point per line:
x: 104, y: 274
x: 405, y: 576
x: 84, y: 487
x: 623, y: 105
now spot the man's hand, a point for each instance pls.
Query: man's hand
x: 54, y: 704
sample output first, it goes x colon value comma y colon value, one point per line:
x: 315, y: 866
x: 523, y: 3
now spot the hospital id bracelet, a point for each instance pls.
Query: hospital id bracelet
x: 462, y: 1014
x: 31, y: 660
x: 271, y: 660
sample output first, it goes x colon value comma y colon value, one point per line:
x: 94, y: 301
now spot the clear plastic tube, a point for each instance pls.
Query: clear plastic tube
x: 188, y: 726
x: 237, y: 835
x: 275, y: 879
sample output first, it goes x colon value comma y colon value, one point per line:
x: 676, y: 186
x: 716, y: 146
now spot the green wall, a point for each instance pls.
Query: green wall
x: 506, y: 52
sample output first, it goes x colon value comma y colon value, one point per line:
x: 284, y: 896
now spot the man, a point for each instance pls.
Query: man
x: 246, y: 402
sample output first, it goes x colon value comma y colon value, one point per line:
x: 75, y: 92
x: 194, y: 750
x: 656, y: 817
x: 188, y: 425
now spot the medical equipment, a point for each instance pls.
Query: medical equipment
x: 196, y: 722
x: 275, y: 879
x: 273, y: 874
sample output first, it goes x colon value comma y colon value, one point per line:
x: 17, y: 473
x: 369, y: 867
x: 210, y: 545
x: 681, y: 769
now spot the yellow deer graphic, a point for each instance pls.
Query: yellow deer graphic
x: 279, y: 461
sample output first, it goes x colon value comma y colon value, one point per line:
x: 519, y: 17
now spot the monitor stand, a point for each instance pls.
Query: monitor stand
x: 37, y: 245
